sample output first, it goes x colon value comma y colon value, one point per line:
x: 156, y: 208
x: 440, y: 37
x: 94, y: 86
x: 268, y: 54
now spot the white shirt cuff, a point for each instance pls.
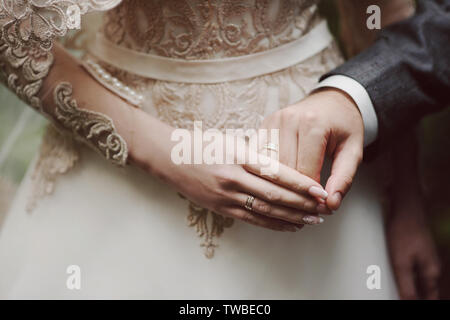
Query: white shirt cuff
x: 362, y: 99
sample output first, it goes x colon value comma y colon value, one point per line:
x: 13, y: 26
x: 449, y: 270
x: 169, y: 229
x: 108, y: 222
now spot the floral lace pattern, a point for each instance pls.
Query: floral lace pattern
x: 208, y: 226
x: 28, y: 29
x: 93, y: 128
x: 58, y: 154
x: 200, y: 29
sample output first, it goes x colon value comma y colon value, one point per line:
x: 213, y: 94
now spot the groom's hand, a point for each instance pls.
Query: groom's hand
x: 326, y: 122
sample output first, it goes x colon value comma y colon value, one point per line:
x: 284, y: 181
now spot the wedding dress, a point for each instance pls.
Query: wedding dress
x: 229, y: 64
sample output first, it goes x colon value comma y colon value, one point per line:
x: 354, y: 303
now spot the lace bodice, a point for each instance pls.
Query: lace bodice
x: 203, y: 29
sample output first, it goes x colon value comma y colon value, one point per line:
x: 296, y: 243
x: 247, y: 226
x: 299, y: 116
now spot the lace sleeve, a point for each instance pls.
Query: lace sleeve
x: 28, y: 30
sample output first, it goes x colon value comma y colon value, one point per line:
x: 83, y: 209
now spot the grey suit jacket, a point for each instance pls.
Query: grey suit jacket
x: 407, y: 71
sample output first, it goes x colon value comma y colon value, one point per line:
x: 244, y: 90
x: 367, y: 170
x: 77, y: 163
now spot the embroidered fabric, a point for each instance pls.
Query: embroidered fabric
x: 58, y: 154
x: 208, y: 225
x: 93, y: 128
x: 28, y: 31
x: 198, y: 29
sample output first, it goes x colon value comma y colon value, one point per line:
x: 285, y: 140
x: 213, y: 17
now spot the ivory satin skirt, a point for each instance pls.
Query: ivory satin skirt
x: 128, y: 234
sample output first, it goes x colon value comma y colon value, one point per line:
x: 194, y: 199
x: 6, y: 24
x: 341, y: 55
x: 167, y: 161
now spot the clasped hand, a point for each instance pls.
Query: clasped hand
x: 326, y: 123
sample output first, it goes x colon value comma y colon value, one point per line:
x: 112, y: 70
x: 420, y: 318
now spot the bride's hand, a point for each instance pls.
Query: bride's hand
x: 283, y: 201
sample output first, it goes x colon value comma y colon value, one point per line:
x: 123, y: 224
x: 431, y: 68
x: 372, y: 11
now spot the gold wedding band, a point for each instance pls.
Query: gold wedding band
x: 271, y: 147
x: 249, y: 203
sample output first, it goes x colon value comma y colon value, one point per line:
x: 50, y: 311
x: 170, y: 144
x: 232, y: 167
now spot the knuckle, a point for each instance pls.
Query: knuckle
x: 288, y: 114
x: 227, y: 178
x: 309, y: 206
x: 302, y: 167
x: 308, y: 117
x: 316, y: 132
x: 262, y: 207
x: 347, y: 182
x: 221, y: 195
x: 272, y: 195
x: 298, y: 187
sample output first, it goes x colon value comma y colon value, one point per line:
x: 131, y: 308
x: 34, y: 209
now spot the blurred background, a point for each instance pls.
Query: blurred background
x: 21, y: 130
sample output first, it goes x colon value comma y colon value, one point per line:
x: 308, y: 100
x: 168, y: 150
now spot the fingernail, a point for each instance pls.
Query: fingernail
x: 323, y: 209
x: 318, y: 192
x: 312, y: 220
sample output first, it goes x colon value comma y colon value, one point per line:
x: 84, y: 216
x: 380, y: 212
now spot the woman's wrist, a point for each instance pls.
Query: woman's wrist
x: 150, y: 144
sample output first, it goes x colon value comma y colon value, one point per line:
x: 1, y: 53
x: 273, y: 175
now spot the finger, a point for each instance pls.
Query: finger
x: 266, y: 136
x: 311, y: 149
x: 429, y: 273
x: 345, y: 164
x: 278, y: 212
x: 274, y: 194
x: 404, y: 274
x: 288, y: 178
x: 288, y: 143
x: 258, y: 220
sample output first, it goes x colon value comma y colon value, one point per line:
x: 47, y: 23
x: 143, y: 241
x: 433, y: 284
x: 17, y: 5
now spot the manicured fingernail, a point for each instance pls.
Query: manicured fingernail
x: 323, y: 209
x: 312, y: 220
x: 318, y: 192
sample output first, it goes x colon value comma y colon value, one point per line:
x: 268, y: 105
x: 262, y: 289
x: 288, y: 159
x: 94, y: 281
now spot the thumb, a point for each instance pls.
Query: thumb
x: 347, y: 158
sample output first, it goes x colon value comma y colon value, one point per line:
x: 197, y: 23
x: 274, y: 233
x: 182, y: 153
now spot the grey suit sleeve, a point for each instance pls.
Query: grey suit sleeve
x: 407, y: 71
